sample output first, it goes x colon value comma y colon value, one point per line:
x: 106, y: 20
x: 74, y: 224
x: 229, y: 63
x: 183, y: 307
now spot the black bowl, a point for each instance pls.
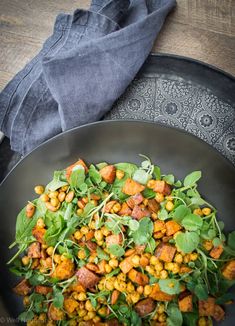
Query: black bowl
x: 173, y: 150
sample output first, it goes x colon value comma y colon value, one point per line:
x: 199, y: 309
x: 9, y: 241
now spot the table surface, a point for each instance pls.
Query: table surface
x: 200, y: 29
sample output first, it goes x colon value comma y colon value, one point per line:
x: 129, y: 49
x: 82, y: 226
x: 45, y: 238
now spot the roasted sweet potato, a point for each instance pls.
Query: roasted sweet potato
x: 91, y: 245
x: 206, y: 307
x: 135, y: 200
x: 70, y: 168
x: 109, y: 205
x: 34, y: 250
x: 64, y: 270
x: 153, y: 205
x: 159, y: 295
x: 132, y: 187
x: 42, y: 289
x: 219, y: 313
x: 101, y: 266
x: 23, y: 288
x: 77, y: 287
x: 186, y: 303
x: 138, y: 277
x: 172, y: 227
x: 55, y: 313
x: 108, y: 173
x: 159, y: 226
x: 228, y: 271
x: 115, y: 296
x: 162, y: 187
x: 145, y: 307
x: 126, y: 265
x: 138, y: 213
x: 38, y: 234
x: 125, y: 210
x: 87, y: 278
x: 114, y: 239
x: 165, y: 252
x: 216, y: 252
x: 70, y: 305
x: 90, y: 235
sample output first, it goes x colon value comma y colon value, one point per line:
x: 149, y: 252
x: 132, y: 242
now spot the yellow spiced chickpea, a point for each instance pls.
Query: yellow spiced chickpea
x: 39, y: 189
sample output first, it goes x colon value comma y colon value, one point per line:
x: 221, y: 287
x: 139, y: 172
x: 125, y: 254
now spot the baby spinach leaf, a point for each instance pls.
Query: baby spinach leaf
x: 170, y: 286
x: 135, y: 318
x: 169, y: 178
x: 56, y: 183
x: 201, y: 291
x: 102, y: 254
x: 192, y: 178
x: 216, y: 242
x: 70, y: 228
x: 180, y: 212
x: 151, y: 245
x: 231, y: 240
x: 148, y: 193
x: 53, y: 232
x: 192, y: 222
x: 141, y: 176
x: 101, y: 165
x: 133, y: 225
x: 174, y: 315
x: 157, y: 172
x: 197, y: 201
x: 187, y: 241
x: 94, y: 174
x: 163, y: 215
x: 128, y: 168
x: 225, y: 298
x: 116, y: 250
x: 77, y: 176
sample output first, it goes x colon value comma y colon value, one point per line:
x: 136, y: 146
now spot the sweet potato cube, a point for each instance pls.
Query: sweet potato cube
x: 108, y: 173
x: 125, y: 210
x: 216, y: 252
x: 64, y: 270
x: 132, y: 187
x: 34, y: 250
x: 153, y: 205
x: 135, y: 200
x: 138, y: 277
x: 138, y: 213
x: 172, y: 227
x: 228, y: 271
x: 162, y: 187
x: 38, y: 234
x: 23, y: 288
x: 114, y: 239
x: 159, y: 226
x: 55, y: 313
x: 165, y: 252
x: 219, y: 313
x: 126, y: 264
x: 77, y: 287
x: 186, y: 303
x: 159, y: 295
x: 206, y: 307
x: 42, y: 289
x: 87, y: 278
x: 145, y: 307
x: 70, y: 305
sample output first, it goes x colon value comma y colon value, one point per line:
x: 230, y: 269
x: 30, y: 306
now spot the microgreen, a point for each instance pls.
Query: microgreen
x: 187, y: 241
x: 116, y: 250
x: 56, y: 182
x: 175, y: 317
x: 170, y: 286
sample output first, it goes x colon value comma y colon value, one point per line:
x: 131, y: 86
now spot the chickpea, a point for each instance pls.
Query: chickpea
x: 120, y: 174
x: 79, y: 211
x: 80, y: 204
x: 159, y: 266
x: 197, y: 211
x: 151, y: 184
x: 26, y: 300
x: 120, y: 285
x: 42, y: 317
x: 162, y: 318
x: 169, y: 206
x: 144, y: 261
x: 175, y: 269
x: 130, y: 287
x: 193, y: 256
x: 51, y: 207
x: 39, y: 190
x: 159, y: 197
x: 69, y: 197
x: 109, y: 285
x: 64, y: 188
x: 30, y: 210
x: 53, y: 194
x: 25, y: 260
x: 105, y: 231
x: 186, y: 258
x: 116, y: 207
x: 85, y: 200
x: 108, y: 268
x: 163, y: 274
x: 78, y: 235
x: 178, y: 258
x: 149, y: 269
x: 44, y: 197
x: 102, y: 311
x: 82, y: 296
x: 121, y: 277
x: 98, y: 235
x: 208, y: 245
x: 206, y: 211
x: 82, y: 312
x: 84, y: 229
x: 54, y: 202
x: 61, y: 196
x: 72, y: 322
x: 100, y: 243
x: 154, y: 216
x: 135, y: 296
x: 96, y: 320
x: 40, y: 223
x: 155, y: 317
x: 89, y: 306
x: 153, y: 260
x: 92, y: 225
x: 147, y: 290
x: 113, y: 263
x: 202, y: 321
x: 169, y: 266
x: 135, y: 260
x: 145, y: 201
x: 50, y: 250
x: 81, y: 254
x: 140, y: 289
x: 160, y: 308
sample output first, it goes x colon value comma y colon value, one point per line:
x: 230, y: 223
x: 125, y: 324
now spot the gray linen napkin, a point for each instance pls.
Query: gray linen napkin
x: 81, y: 70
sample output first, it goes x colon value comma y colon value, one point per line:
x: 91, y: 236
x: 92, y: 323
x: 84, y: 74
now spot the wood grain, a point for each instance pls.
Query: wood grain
x: 200, y: 29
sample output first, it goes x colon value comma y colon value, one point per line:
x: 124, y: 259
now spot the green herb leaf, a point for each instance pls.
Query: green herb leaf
x: 26, y: 316
x: 192, y: 178
x: 231, y: 240
x: 77, y: 176
x: 144, y: 232
x: 133, y: 225
x: 141, y: 176
x: 201, y: 291
x: 102, y: 254
x: 163, y: 215
x: 58, y: 298
x: 169, y: 178
x: 174, y: 315
x: 187, y: 241
x: 53, y: 232
x: 170, y: 286
x: 157, y: 172
x: 192, y: 222
x: 224, y: 298
x: 180, y: 212
x: 151, y: 245
x: 94, y: 174
x: 148, y: 193
x: 56, y: 182
x: 116, y: 250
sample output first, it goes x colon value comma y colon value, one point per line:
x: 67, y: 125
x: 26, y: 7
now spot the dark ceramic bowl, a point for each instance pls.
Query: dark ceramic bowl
x: 173, y: 150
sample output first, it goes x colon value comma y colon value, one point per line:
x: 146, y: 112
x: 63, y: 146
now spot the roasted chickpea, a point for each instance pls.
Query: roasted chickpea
x: 81, y: 254
x: 169, y: 206
x: 98, y: 235
x: 178, y: 258
x: 30, y: 210
x: 82, y: 296
x: 69, y: 197
x: 206, y: 211
x: 84, y: 229
x: 53, y: 194
x: 153, y: 260
x: 61, y: 196
x: 193, y: 256
x: 82, y: 312
x: 151, y: 184
x: 89, y: 306
x: 50, y: 250
x: 113, y: 263
x: 39, y: 190
x: 54, y: 202
x: 25, y: 260
x: 130, y: 287
x: 108, y: 268
x: 147, y: 290
x: 163, y: 274
x: 40, y: 223
x: 119, y: 174
x: 135, y: 296
x: 116, y: 207
x: 140, y: 289
x: 26, y: 300
x: 44, y: 197
x: 197, y: 211
x: 78, y: 235
x: 159, y: 197
x: 135, y: 260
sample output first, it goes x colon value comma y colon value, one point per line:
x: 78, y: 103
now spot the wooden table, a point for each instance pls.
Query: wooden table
x: 200, y: 29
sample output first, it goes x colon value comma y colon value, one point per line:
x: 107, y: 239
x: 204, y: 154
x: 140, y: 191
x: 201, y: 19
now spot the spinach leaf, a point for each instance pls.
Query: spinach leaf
x: 163, y: 215
x: 187, y: 241
x: 192, y: 222
x: 70, y: 228
x: 101, y: 165
x: 94, y: 174
x: 175, y: 317
x: 192, y: 178
x: 180, y: 212
x: 148, y: 193
x: 141, y: 176
x: 56, y: 183
x: 116, y: 250
x: 157, y: 172
x: 128, y: 168
x: 169, y: 178
x: 26, y: 316
x: 68, y: 211
x: 77, y: 176
x: 190, y: 318
x: 225, y: 298
x: 201, y: 291
x: 170, y: 286
x: 52, y: 233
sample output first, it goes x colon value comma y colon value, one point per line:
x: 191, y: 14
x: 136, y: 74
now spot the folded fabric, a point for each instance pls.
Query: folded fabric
x: 82, y: 69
